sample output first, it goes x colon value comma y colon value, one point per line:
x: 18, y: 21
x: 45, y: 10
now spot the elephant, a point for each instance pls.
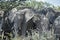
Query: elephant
x: 57, y: 27
x: 20, y: 19
x: 25, y: 17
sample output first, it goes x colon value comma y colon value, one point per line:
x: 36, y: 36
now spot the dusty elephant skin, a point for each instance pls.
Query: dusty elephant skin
x: 23, y: 21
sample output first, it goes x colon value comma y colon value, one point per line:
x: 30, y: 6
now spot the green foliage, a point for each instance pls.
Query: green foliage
x: 58, y: 7
x: 8, y: 5
x: 32, y: 4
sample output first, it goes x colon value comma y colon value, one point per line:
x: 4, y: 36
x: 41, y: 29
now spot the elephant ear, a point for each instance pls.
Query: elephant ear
x: 29, y: 15
x: 12, y: 14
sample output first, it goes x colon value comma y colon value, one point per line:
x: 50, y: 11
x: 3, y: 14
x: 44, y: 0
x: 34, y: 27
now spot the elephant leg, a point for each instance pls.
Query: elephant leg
x: 24, y: 27
x: 15, y: 30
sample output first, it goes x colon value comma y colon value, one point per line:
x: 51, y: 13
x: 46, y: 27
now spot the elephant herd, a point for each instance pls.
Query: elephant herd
x: 18, y: 22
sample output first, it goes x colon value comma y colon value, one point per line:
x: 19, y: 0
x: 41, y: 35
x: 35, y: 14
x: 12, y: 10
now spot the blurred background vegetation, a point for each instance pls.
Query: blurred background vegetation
x: 8, y: 5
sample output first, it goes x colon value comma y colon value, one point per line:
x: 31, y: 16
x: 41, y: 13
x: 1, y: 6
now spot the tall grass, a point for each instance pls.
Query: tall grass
x: 47, y: 35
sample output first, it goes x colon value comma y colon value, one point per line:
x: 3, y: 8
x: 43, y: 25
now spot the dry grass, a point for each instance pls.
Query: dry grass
x: 47, y: 35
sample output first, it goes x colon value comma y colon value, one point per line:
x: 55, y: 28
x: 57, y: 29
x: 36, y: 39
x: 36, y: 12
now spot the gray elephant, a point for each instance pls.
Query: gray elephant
x: 57, y: 27
x: 20, y: 19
